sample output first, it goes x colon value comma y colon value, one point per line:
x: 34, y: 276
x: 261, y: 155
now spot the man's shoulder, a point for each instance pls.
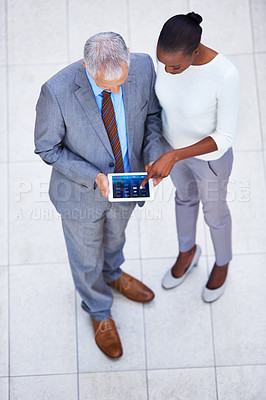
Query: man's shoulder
x: 66, y: 74
x: 140, y: 61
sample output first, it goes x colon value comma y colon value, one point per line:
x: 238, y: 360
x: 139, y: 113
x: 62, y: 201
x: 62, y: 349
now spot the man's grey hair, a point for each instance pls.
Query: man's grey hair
x: 105, y: 54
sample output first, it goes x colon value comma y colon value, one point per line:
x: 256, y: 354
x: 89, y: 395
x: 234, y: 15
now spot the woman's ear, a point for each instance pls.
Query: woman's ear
x: 196, y: 52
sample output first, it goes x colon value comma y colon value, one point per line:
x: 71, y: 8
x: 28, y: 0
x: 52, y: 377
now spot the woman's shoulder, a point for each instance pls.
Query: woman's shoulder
x: 225, y: 64
x: 222, y: 68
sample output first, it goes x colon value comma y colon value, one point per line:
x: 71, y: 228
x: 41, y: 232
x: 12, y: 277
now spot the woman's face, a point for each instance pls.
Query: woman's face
x: 175, y: 63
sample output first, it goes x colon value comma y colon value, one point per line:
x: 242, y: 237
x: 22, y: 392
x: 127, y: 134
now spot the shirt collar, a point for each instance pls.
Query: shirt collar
x: 98, y: 91
x: 95, y: 88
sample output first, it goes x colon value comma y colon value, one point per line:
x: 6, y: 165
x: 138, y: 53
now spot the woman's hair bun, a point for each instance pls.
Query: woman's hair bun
x: 195, y: 17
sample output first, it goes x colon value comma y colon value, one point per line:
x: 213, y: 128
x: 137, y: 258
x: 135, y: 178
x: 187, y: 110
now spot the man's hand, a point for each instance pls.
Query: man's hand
x: 103, y: 183
x: 161, y: 168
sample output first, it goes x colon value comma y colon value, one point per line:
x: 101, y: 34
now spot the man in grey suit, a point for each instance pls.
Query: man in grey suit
x: 93, y: 118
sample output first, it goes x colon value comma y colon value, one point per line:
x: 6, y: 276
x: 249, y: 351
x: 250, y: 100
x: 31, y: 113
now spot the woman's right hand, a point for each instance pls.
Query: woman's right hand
x: 162, y: 167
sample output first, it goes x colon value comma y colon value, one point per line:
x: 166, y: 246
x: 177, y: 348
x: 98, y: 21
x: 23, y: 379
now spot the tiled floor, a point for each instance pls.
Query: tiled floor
x: 177, y: 347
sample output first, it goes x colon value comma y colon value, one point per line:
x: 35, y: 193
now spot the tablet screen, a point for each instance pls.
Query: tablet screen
x: 128, y: 186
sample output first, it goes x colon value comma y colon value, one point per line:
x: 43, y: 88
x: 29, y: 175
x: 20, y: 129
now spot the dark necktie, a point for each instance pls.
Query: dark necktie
x: 108, y: 116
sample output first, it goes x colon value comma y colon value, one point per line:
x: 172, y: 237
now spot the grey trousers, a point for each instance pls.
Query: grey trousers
x: 206, y: 182
x: 95, y: 252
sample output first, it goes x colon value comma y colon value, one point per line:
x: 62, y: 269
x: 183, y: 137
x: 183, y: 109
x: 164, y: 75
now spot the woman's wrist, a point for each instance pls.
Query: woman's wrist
x: 177, y: 155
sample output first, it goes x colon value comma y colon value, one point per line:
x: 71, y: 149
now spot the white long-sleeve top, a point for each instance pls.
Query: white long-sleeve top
x: 199, y: 102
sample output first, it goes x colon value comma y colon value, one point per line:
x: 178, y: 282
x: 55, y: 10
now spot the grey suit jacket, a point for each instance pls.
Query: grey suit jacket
x: 70, y: 135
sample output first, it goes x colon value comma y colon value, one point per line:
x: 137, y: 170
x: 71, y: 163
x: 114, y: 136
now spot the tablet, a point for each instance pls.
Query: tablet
x: 126, y: 187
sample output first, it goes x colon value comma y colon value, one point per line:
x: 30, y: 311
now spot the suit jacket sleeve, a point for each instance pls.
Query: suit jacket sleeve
x: 49, y: 141
x: 152, y: 145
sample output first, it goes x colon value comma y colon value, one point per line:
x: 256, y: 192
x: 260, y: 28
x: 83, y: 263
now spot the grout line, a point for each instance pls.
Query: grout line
x: 212, y: 333
x: 53, y: 263
x: 77, y: 342
x: 75, y: 293
x: 59, y: 64
x: 129, y: 259
x: 238, y: 54
x: 203, y: 255
x: 240, y: 365
x: 128, y: 23
x: 21, y: 161
x: 67, y: 32
x: 145, y: 349
x: 248, y: 151
x: 137, y: 370
x: 37, y: 160
x: 257, y: 90
x: 213, y: 350
x: 8, y: 191
x: 144, y: 320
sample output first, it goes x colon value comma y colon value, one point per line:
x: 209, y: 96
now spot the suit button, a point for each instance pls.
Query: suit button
x: 111, y: 164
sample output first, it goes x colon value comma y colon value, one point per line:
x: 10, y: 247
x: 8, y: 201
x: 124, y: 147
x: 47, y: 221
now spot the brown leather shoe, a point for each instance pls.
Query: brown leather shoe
x: 132, y: 288
x: 107, y: 338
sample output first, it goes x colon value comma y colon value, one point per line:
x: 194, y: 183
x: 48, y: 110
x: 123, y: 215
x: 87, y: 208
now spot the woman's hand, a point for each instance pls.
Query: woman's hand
x: 156, y: 181
x: 161, y: 168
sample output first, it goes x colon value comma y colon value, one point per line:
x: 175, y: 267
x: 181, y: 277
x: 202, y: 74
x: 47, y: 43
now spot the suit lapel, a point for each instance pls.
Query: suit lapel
x: 87, y: 101
x: 129, y: 97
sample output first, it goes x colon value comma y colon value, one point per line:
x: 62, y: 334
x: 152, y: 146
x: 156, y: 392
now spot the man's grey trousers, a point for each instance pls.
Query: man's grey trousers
x: 95, y: 251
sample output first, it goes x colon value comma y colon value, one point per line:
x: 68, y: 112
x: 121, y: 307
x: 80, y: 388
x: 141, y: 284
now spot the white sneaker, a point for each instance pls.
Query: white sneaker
x: 210, y: 295
x: 169, y: 281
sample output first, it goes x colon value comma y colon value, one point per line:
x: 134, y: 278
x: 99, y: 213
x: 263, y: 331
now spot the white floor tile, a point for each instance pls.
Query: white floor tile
x: 178, y: 324
x: 132, y: 245
x: 239, y: 320
x: 113, y: 385
x: 258, y: 12
x: 24, y: 89
x: 100, y: 17
x: 3, y: 113
x: 4, y: 389
x: 246, y: 200
x: 158, y: 224
x: 261, y: 76
x: 3, y: 215
x: 2, y: 32
x: 4, y: 322
x: 226, y: 25
x: 128, y: 317
x: 249, y: 134
x: 44, y: 387
x: 37, y: 32
x: 146, y: 21
x: 42, y: 320
x: 187, y: 384
x: 36, y: 234
x: 43, y: 332
x: 242, y: 383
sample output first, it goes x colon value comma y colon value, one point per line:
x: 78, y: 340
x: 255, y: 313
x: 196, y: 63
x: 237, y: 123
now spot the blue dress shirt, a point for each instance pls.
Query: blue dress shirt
x: 120, y: 117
